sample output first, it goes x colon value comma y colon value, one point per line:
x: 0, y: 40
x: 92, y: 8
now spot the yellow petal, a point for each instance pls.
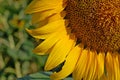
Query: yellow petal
x: 79, y: 71
x: 93, y: 67
x: 59, y: 52
x: 109, y: 67
x: 103, y: 77
x: 119, y: 63
x: 44, y: 36
x: 56, y: 17
x: 95, y: 72
x: 89, y: 62
x: 49, y: 42
x: 100, y: 59
x: 69, y: 65
x: 44, y: 5
x: 49, y: 28
x: 116, y: 67
x: 40, y: 16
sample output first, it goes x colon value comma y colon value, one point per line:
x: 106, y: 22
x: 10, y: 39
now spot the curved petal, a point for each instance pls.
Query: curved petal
x: 44, y: 5
x: 100, y: 59
x: 39, y: 16
x: 93, y: 67
x: 43, y: 36
x: 49, y: 28
x: 59, y: 52
x: 110, y: 67
x: 116, y: 67
x: 69, y: 65
x: 80, y: 68
x: 49, y: 42
x: 89, y: 62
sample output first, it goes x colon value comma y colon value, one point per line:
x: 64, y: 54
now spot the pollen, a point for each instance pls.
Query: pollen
x: 95, y: 23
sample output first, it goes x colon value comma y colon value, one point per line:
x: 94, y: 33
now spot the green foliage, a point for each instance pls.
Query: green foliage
x: 40, y: 76
x: 16, y: 56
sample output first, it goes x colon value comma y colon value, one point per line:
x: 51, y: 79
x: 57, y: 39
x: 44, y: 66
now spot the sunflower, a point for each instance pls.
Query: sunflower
x: 83, y: 35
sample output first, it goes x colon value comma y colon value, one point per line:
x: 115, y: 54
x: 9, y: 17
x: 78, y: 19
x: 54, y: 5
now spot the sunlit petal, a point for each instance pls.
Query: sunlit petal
x: 53, y: 59
x: 70, y: 61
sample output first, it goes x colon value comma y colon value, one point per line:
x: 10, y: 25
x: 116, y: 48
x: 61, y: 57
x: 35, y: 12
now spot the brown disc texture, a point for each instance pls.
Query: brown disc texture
x: 95, y: 23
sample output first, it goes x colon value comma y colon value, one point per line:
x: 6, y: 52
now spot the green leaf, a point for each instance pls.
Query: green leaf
x: 37, y: 76
x: 40, y: 76
x: 69, y: 78
x: 43, y: 75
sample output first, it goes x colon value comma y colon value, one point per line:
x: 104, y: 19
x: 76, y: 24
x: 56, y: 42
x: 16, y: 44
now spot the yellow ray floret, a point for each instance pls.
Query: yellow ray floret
x: 116, y: 67
x: 89, y: 63
x: 70, y: 61
x: 44, y: 5
x: 93, y: 67
x: 49, y: 28
x: 110, y: 67
x: 100, y: 59
x: 81, y: 65
x: 49, y: 42
x: 62, y: 48
x: 40, y: 16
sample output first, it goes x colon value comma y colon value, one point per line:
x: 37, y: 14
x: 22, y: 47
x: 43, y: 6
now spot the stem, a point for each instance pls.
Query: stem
x: 2, y: 64
x: 18, y: 69
x: 21, y: 40
x: 11, y: 41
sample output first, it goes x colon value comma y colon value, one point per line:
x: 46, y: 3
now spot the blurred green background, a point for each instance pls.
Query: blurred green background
x: 16, y: 45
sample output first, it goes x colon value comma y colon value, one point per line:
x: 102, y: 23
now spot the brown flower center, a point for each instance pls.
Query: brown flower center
x: 95, y: 23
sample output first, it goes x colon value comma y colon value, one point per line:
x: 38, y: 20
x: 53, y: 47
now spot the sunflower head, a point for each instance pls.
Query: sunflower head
x: 95, y: 23
x: 82, y: 34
